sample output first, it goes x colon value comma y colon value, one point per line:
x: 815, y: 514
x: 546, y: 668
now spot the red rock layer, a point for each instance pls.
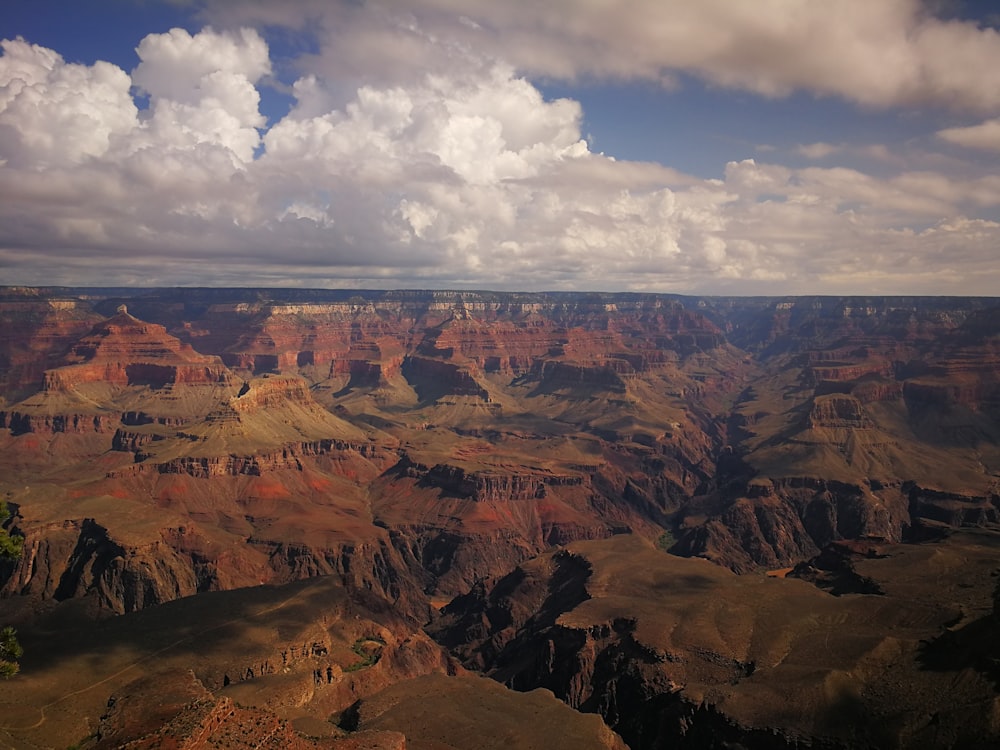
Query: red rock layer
x: 34, y: 334
x: 126, y: 351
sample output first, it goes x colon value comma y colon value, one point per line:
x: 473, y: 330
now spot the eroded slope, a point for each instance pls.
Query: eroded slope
x: 677, y: 652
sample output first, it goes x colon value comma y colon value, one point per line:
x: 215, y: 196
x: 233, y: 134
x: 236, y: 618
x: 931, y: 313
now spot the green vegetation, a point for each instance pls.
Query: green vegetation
x: 10, y: 649
x: 10, y: 652
x: 665, y: 541
x: 10, y: 546
x: 369, y: 649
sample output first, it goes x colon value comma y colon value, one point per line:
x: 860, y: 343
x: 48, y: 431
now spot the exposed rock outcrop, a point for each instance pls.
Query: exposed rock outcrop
x: 36, y: 330
x: 491, y: 485
x: 124, y: 350
x: 19, y: 422
x: 838, y: 411
x: 437, y: 377
x: 783, y: 521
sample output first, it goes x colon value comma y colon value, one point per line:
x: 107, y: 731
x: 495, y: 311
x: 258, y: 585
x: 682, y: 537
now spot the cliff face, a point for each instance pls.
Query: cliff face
x: 861, y: 402
x: 19, y: 422
x: 35, y: 331
x: 124, y: 350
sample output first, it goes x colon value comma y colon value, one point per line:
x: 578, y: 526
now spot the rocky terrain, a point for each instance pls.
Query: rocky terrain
x: 677, y: 652
x: 528, y: 460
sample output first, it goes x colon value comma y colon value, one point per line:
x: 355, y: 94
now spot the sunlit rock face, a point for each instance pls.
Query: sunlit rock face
x: 35, y: 332
x: 124, y: 350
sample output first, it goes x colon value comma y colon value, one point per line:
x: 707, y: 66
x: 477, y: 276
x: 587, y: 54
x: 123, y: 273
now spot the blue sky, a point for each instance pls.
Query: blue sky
x: 719, y: 147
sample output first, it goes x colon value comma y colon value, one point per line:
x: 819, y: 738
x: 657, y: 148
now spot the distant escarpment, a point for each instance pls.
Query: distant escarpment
x: 868, y: 421
x: 780, y: 522
x: 493, y: 486
x: 436, y: 378
x: 19, y: 422
x: 204, y: 467
x: 124, y: 350
x: 36, y: 329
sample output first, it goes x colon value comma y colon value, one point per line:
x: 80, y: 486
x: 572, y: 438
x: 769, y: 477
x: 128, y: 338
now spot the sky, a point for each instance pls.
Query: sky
x: 723, y: 147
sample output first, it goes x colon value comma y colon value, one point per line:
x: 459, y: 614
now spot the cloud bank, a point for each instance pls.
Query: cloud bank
x: 886, y: 53
x: 418, y: 153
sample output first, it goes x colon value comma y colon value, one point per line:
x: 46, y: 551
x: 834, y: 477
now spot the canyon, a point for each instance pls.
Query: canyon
x: 658, y: 520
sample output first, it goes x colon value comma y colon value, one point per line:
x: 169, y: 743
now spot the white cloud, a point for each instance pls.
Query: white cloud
x: 886, y: 53
x: 984, y: 136
x: 176, y: 65
x: 817, y: 151
x: 202, y: 87
x: 459, y: 173
x: 483, y: 130
x: 54, y: 113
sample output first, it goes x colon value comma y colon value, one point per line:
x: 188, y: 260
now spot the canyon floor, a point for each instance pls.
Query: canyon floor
x: 304, y: 518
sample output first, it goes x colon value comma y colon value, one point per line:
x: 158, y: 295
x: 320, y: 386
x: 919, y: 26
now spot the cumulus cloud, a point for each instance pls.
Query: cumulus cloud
x: 175, y: 65
x: 984, y: 136
x: 202, y: 88
x: 52, y: 112
x: 457, y: 172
